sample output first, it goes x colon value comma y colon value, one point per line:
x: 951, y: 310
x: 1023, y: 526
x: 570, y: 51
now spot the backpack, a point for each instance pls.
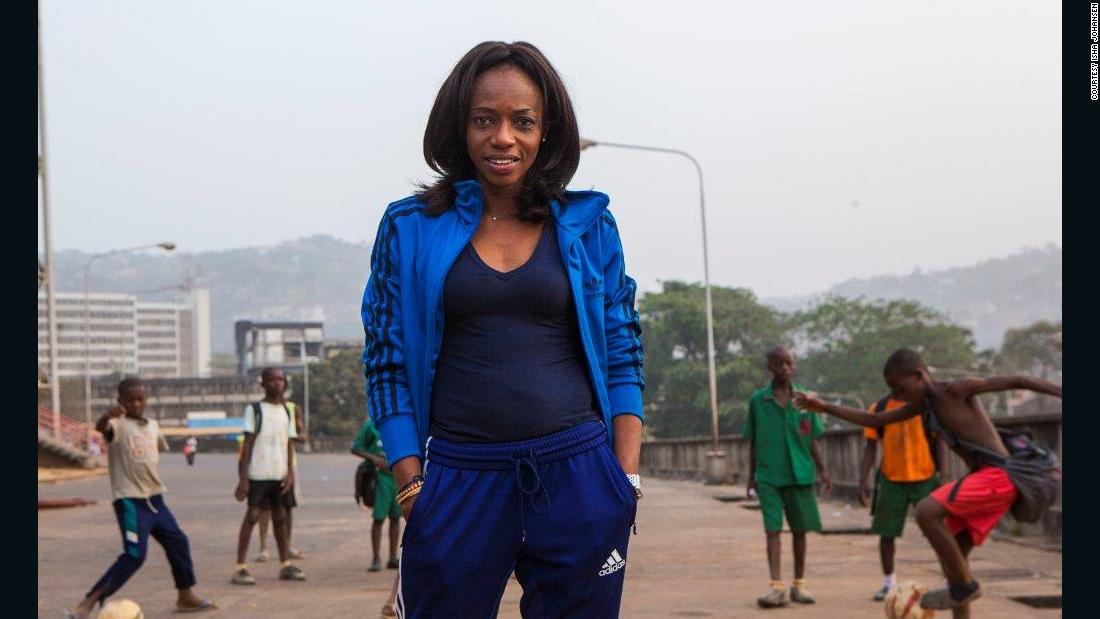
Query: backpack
x: 1032, y: 467
x: 258, y: 414
x: 366, y: 482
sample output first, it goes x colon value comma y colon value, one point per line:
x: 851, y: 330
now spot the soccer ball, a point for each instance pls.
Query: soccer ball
x: 121, y: 609
x: 904, y: 602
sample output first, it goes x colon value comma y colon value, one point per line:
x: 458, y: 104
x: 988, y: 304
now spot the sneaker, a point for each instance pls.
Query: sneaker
x: 881, y: 594
x: 263, y: 557
x: 294, y: 553
x: 292, y: 572
x: 392, y: 564
x: 940, y: 599
x: 242, y: 577
x: 375, y: 566
x: 801, y: 595
x: 775, y: 599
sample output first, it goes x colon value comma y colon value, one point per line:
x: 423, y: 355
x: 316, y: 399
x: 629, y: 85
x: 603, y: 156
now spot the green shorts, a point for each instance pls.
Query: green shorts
x: 385, y: 498
x: 892, y: 501
x: 798, y: 502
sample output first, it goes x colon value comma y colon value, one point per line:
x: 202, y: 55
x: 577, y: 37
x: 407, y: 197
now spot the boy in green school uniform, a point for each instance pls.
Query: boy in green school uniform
x: 368, y: 445
x: 783, y: 456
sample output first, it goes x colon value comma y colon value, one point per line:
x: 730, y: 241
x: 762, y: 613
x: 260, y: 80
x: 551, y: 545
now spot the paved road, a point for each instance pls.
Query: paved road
x: 693, y: 556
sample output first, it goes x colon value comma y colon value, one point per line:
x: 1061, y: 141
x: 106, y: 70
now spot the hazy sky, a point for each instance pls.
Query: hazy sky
x: 838, y: 139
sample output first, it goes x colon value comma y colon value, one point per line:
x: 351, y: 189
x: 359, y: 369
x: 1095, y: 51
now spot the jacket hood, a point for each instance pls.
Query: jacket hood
x: 582, y: 210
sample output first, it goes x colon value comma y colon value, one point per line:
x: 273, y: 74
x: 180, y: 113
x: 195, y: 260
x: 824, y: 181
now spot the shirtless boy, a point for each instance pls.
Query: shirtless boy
x: 953, y: 526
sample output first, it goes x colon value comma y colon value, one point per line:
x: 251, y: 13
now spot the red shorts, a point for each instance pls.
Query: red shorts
x: 984, y: 496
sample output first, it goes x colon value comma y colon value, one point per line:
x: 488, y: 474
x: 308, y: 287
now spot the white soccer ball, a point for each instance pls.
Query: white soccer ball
x: 903, y: 602
x: 121, y: 609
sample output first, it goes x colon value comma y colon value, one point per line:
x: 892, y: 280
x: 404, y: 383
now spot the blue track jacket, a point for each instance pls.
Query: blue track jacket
x: 403, y: 310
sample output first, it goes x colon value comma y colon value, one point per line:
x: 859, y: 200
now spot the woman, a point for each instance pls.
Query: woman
x: 503, y: 358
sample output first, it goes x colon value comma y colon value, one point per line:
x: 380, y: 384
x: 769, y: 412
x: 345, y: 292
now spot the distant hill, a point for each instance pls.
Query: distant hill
x: 988, y: 297
x: 321, y: 277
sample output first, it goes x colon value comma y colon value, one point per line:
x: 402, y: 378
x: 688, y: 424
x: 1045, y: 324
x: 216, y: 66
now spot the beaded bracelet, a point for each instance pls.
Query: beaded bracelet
x: 412, y: 481
x: 410, y: 491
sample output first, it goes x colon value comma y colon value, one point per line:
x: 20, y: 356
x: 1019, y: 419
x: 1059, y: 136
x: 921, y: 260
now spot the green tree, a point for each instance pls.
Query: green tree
x: 337, y: 399
x: 675, y: 340
x: 1035, y: 349
x: 844, y: 342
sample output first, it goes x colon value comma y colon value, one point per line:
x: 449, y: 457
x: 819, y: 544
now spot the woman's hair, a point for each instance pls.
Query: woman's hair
x: 445, y: 147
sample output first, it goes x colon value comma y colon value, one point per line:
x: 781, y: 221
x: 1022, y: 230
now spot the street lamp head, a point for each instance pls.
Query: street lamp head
x: 166, y: 246
x: 585, y: 143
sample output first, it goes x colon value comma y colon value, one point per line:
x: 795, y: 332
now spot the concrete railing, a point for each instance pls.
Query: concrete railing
x: 219, y: 444
x: 685, y: 458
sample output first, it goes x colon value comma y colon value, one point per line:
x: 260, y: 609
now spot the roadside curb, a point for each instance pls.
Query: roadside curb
x: 57, y: 475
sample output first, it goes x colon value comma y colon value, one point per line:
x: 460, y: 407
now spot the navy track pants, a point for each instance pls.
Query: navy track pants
x: 557, y: 510
x: 138, y: 519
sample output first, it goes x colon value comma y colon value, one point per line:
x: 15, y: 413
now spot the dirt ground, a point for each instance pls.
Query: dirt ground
x: 693, y: 556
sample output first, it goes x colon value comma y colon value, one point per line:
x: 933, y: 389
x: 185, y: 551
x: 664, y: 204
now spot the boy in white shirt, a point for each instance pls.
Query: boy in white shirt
x: 266, y: 477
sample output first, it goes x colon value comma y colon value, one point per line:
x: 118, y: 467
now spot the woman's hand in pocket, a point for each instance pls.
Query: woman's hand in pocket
x: 628, y: 441
x: 407, y: 507
x: 404, y: 470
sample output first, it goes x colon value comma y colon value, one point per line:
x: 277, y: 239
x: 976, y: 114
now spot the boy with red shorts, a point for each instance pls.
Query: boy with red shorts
x: 959, y: 515
x: 979, y: 504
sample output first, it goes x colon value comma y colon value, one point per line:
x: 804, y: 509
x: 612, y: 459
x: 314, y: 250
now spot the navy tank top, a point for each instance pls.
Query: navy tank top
x: 512, y: 366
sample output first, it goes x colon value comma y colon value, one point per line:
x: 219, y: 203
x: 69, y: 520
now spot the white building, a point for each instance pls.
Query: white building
x: 283, y: 344
x: 154, y: 340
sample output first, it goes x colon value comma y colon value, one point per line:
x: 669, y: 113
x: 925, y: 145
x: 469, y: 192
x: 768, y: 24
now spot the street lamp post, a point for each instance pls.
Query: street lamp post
x: 717, y: 466
x: 47, y: 267
x: 305, y: 393
x: 167, y: 246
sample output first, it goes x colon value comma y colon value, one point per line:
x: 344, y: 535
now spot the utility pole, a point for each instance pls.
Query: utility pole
x: 51, y: 305
x: 307, y: 448
x: 717, y: 464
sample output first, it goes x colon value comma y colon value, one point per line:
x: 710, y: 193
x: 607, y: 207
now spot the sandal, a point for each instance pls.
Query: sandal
x: 242, y: 577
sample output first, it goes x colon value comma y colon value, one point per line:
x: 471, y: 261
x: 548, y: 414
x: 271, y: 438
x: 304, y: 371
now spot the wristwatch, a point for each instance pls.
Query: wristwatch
x: 636, y: 481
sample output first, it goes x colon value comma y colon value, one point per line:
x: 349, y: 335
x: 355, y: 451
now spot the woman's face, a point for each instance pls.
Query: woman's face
x: 505, y: 127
